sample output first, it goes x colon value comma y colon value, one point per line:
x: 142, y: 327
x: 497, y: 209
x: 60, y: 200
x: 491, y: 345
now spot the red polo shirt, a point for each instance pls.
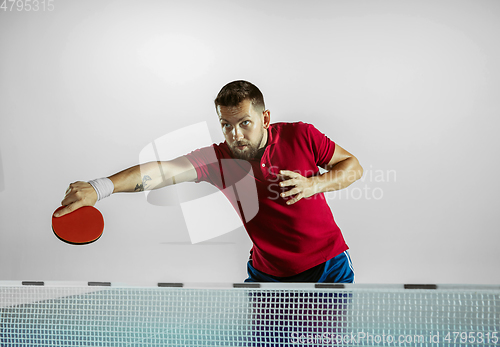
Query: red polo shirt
x: 287, y: 239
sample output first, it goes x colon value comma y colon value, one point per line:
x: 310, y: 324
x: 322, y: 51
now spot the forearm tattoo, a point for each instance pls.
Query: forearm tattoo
x: 143, y: 185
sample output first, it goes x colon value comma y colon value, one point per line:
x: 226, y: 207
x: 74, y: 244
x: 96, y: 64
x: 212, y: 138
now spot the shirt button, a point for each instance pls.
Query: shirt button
x: 263, y: 165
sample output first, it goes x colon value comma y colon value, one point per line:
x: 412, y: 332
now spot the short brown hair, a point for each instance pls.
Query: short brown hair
x: 233, y: 93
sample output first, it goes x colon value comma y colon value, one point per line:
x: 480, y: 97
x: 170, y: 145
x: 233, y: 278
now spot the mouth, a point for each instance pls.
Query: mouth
x: 240, y: 146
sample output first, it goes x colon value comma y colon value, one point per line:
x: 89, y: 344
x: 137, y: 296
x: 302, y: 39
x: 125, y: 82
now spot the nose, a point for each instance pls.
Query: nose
x: 237, y: 134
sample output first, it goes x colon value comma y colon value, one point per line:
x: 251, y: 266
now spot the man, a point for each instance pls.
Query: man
x: 294, y: 235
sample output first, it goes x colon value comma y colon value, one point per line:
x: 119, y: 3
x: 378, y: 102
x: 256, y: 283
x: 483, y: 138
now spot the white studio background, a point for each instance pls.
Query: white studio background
x: 409, y: 87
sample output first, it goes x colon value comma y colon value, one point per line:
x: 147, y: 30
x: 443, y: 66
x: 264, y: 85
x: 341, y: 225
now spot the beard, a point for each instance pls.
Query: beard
x: 249, y: 152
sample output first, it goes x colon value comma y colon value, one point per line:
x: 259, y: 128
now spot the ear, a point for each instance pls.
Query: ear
x: 267, y: 118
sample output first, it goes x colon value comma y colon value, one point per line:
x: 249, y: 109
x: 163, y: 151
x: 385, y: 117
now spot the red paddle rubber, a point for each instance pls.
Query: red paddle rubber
x: 80, y: 227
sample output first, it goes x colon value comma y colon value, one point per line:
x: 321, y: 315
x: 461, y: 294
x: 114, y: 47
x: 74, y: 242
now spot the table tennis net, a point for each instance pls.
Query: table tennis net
x: 350, y: 316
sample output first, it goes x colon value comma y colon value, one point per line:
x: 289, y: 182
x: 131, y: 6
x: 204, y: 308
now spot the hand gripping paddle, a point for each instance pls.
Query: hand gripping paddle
x: 79, y: 227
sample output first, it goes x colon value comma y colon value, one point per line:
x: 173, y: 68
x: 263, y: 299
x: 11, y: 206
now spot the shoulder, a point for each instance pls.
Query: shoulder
x: 222, y: 150
x: 295, y: 129
x: 292, y: 126
x: 211, y: 153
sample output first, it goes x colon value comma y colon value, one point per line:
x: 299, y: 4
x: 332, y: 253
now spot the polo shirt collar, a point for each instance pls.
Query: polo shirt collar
x: 272, y: 135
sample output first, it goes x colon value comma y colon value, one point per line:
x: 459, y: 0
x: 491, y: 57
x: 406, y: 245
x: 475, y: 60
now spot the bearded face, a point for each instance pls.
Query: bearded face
x: 244, y: 129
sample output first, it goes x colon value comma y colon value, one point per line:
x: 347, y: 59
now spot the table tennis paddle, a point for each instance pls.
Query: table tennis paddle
x: 80, y: 227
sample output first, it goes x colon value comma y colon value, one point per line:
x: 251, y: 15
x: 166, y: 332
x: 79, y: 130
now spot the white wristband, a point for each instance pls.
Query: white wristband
x: 103, y: 187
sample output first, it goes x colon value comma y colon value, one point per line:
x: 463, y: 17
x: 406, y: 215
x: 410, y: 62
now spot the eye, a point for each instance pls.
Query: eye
x: 245, y: 122
x: 226, y: 125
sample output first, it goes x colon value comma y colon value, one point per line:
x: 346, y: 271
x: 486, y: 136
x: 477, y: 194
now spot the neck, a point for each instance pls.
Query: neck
x: 263, y: 143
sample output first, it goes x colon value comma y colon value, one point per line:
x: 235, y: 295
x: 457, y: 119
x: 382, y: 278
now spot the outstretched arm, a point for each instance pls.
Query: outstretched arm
x: 154, y: 175
x: 343, y: 170
x: 148, y: 176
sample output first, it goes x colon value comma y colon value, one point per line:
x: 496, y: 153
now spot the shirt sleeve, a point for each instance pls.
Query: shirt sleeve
x: 322, y: 147
x: 206, y: 164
